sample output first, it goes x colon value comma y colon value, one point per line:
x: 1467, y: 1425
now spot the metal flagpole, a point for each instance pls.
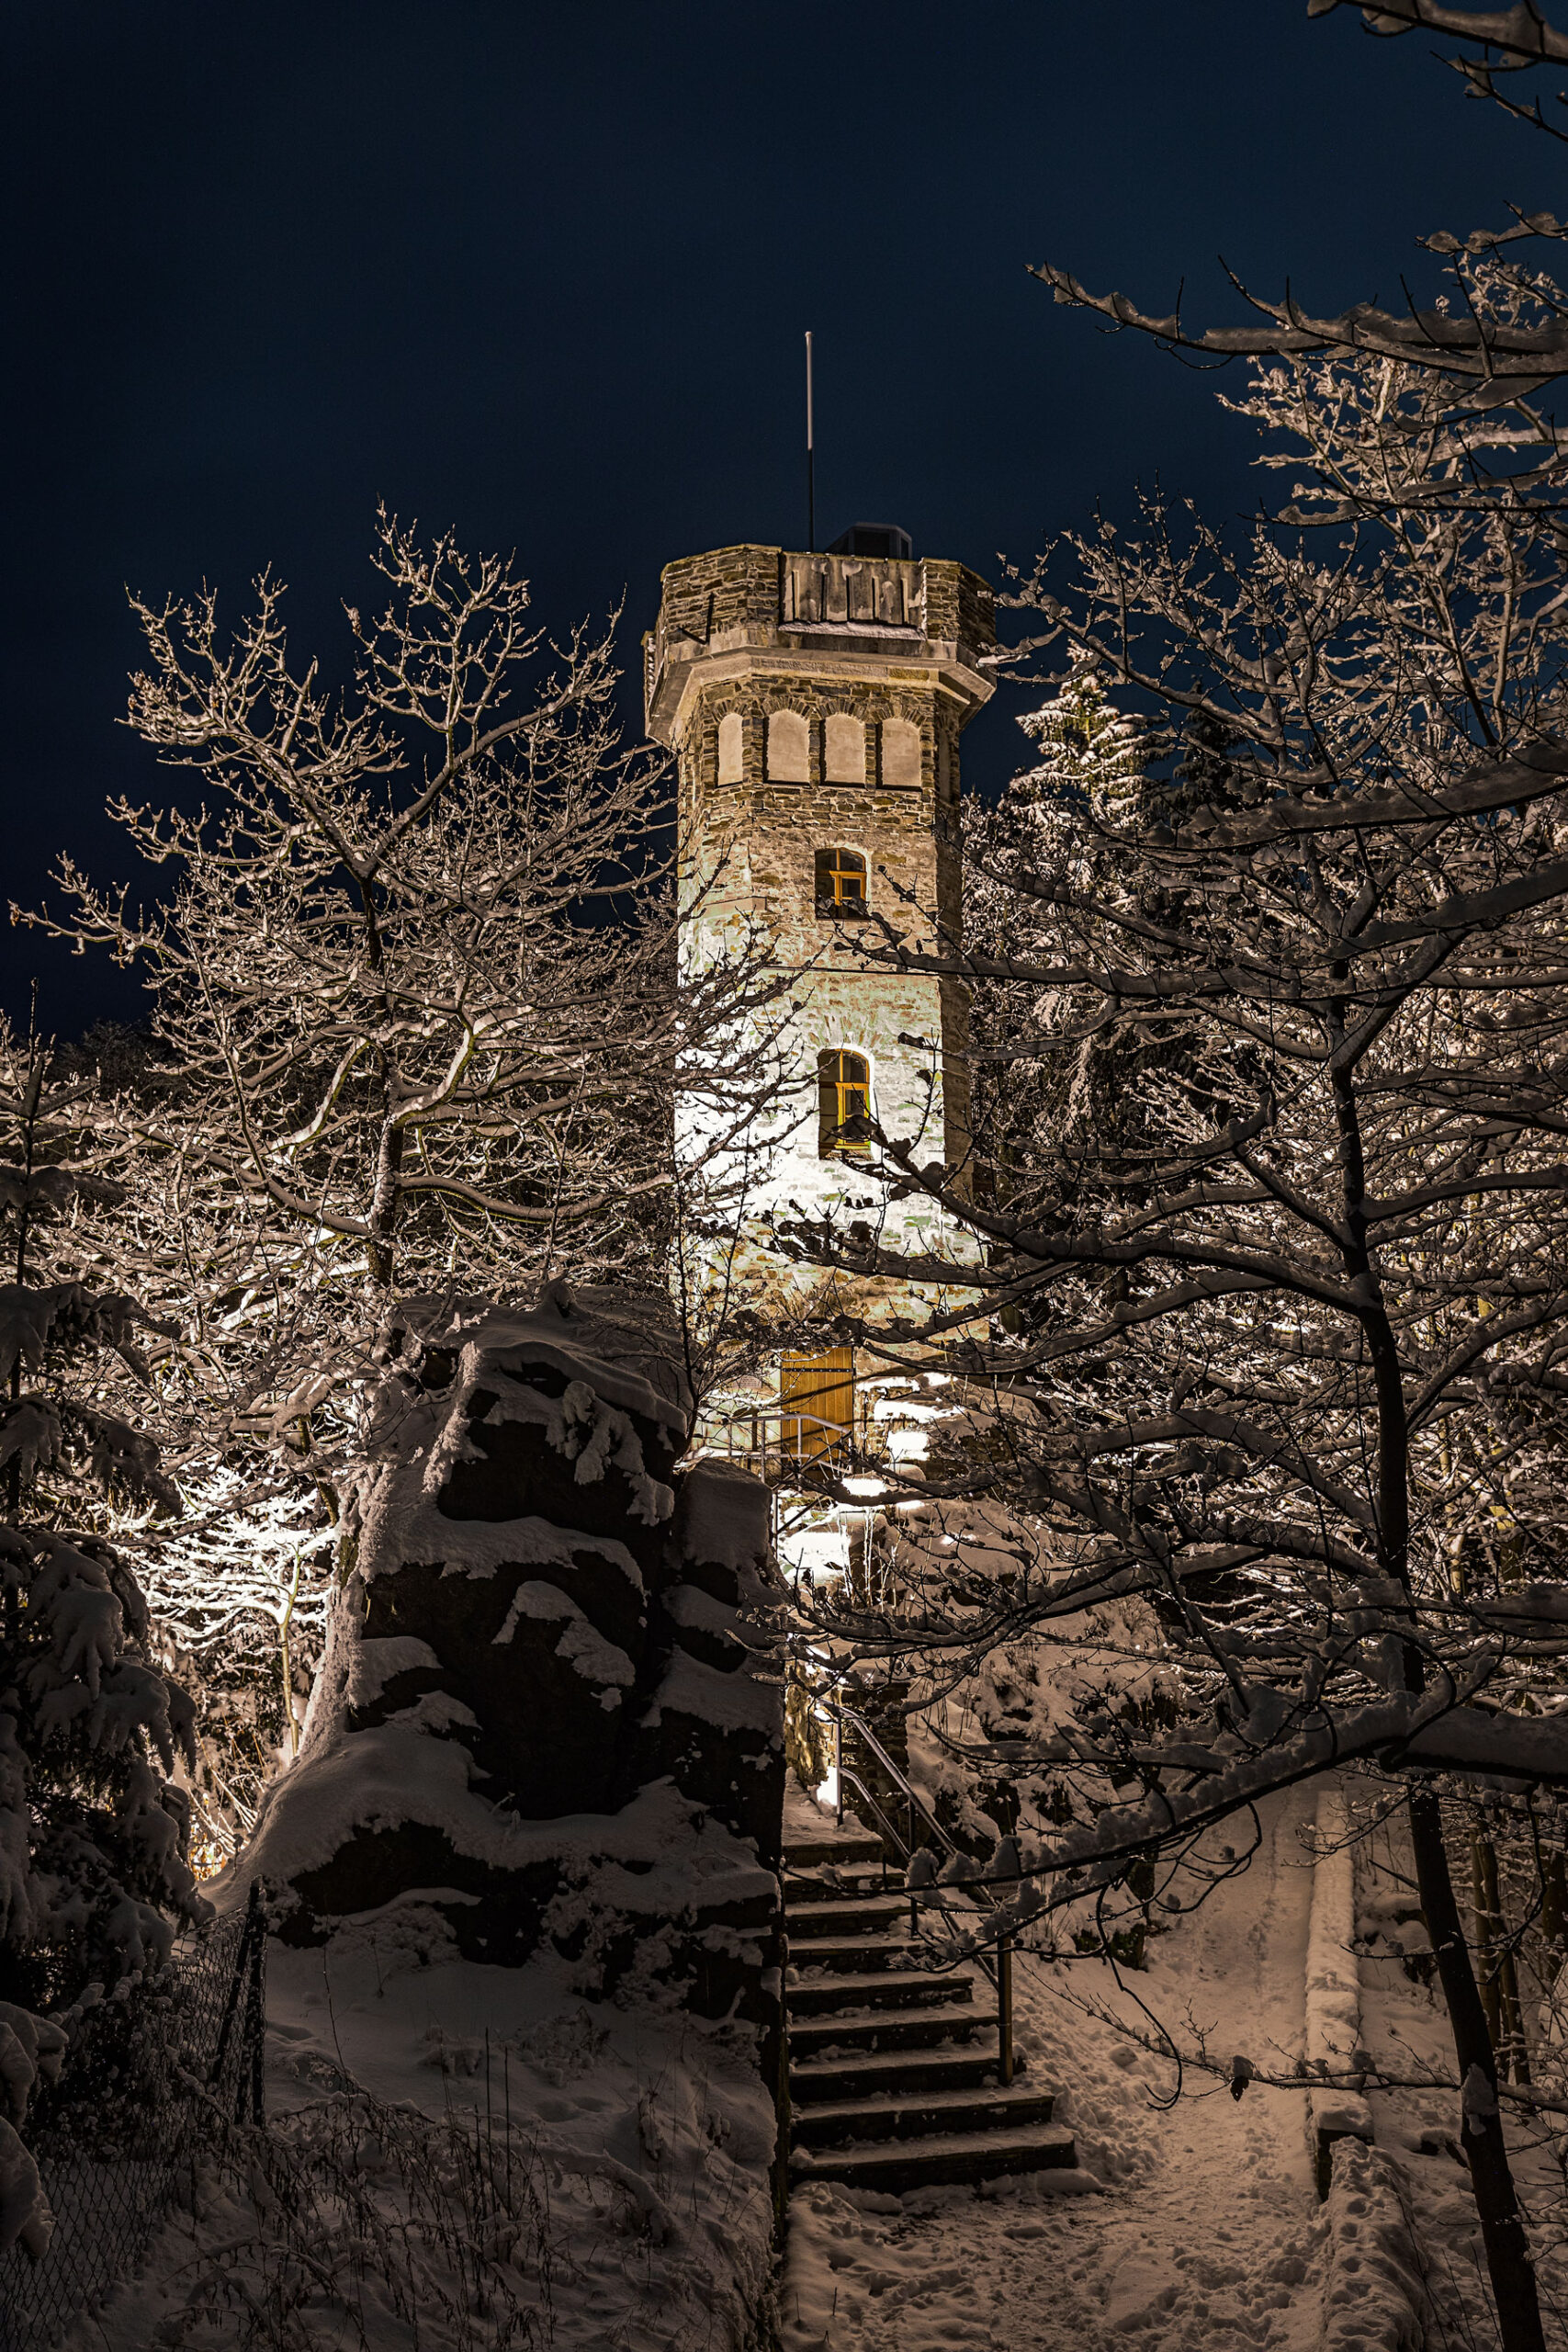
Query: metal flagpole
x: 810, y: 459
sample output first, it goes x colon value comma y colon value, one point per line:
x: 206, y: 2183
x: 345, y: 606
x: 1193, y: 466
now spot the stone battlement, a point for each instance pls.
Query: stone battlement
x: 836, y: 609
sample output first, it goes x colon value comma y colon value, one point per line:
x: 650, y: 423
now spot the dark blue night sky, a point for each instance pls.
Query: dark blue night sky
x: 543, y: 275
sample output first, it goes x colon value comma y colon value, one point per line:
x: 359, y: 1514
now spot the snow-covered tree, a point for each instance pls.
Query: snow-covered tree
x: 1089, y: 755
x: 238, y: 1589
x: 1281, y: 1352
x: 415, y: 980
x: 1498, y: 350
x: 1088, y: 774
x: 416, y: 1021
x: 235, y: 1574
x: 93, y: 1837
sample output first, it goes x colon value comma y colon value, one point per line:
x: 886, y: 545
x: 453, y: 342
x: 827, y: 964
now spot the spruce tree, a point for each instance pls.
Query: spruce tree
x: 94, y: 1874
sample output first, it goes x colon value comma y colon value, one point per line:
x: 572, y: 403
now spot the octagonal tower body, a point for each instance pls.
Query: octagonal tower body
x: 815, y: 705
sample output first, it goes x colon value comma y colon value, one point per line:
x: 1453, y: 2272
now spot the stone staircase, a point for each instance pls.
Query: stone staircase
x: 892, y: 2075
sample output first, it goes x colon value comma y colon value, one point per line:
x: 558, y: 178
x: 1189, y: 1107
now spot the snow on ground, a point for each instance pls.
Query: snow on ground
x: 1195, y: 2230
x: 1206, y: 2235
x: 607, y: 2165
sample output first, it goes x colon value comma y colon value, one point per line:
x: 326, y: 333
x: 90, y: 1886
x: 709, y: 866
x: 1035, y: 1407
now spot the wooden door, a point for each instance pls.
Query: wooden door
x: 817, y: 1395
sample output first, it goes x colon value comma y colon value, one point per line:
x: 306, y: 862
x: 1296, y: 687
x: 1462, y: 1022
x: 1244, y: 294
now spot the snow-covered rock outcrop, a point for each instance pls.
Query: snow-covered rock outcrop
x: 548, y: 1710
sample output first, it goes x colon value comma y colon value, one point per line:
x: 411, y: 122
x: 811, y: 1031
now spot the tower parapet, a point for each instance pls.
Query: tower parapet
x: 739, y: 602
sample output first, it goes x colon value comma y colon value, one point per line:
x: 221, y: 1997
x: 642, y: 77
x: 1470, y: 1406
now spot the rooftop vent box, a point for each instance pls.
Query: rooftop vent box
x: 881, y: 539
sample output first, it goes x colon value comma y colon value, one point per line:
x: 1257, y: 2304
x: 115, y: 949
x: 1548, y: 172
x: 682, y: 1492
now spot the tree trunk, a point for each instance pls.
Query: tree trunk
x: 384, y: 1206
x: 1508, y: 2259
x: 1554, y: 1903
x: 1508, y: 2262
x: 383, y: 1217
x: 1485, y: 1934
x: 1499, y: 1977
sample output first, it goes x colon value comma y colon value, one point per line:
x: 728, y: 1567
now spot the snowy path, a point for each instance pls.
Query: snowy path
x: 1208, y: 2236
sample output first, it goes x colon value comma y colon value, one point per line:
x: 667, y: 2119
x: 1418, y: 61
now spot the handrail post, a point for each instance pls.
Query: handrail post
x: 839, y: 1764
x: 1004, y: 2008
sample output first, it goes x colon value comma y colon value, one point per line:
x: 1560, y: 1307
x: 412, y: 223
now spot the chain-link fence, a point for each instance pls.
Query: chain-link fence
x: 145, y: 2081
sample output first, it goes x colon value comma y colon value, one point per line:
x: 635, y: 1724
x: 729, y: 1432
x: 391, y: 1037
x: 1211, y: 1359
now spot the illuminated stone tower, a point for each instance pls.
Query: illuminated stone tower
x: 814, y: 704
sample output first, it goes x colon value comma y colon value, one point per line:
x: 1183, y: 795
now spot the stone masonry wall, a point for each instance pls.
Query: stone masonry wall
x: 759, y: 840
x: 707, y: 597
x: 749, y: 631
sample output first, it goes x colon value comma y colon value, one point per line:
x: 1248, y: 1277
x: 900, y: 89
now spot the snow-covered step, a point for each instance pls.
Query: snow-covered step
x: 808, y: 1889
x: 901, y: 1988
x: 845, y: 1915
x: 916, y: 2115
x: 921, y: 2028
x: 889, y: 2074
x: 897, y: 2165
x: 847, y: 1955
x: 847, y: 1850
x: 892, y: 2069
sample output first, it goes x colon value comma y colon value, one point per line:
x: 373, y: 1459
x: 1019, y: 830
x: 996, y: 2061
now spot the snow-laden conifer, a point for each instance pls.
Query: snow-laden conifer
x: 93, y: 1837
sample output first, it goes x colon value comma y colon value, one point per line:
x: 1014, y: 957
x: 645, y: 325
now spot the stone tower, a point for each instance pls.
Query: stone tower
x: 814, y: 704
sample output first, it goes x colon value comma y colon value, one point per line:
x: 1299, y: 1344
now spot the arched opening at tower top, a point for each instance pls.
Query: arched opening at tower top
x: 880, y: 542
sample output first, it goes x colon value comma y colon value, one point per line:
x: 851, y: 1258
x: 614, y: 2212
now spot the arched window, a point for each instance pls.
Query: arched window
x: 900, y: 751
x: 843, y: 749
x: 844, y: 1104
x: 840, y: 883
x: 731, y: 749
x: 789, y: 748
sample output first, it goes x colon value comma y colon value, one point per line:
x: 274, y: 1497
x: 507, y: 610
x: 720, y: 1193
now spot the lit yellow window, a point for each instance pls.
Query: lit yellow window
x: 844, y: 1104
x: 840, y: 883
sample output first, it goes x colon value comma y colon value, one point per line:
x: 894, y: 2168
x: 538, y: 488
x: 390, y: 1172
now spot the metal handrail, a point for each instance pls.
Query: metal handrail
x: 812, y: 1439
x: 1000, y: 1974
x: 840, y: 1714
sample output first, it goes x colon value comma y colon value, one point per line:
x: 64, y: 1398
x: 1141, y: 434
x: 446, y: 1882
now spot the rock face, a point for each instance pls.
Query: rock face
x: 549, y: 1707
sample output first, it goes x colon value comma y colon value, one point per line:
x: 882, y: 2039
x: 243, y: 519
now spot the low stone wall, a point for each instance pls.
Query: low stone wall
x: 1336, y: 2109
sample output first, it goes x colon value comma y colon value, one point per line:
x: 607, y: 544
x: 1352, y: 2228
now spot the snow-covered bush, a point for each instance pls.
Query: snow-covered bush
x: 238, y: 1589
x: 30, y: 2051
